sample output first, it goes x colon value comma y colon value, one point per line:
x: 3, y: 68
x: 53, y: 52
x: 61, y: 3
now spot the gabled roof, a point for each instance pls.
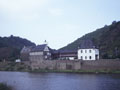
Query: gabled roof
x: 26, y: 49
x: 39, y: 48
x: 86, y: 44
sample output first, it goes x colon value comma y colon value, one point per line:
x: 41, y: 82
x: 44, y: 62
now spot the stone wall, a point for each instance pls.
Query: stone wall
x: 56, y: 64
x: 76, y: 65
x: 101, y: 65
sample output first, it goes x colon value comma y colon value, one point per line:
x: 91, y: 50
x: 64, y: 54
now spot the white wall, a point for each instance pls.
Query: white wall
x: 71, y: 58
x: 36, y: 53
x: 86, y: 54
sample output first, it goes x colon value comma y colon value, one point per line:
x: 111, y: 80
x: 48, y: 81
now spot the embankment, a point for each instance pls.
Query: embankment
x: 98, y: 65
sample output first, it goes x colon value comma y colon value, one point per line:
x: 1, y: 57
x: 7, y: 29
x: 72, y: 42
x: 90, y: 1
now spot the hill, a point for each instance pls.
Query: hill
x: 106, y: 38
x: 10, y: 47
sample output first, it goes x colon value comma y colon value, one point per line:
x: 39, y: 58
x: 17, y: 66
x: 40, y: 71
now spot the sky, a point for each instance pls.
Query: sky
x: 60, y: 22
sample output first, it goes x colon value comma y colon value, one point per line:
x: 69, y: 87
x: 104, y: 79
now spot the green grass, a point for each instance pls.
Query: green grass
x: 14, y: 67
x: 23, y: 68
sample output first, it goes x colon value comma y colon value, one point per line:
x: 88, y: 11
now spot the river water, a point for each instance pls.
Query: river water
x: 60, y: 81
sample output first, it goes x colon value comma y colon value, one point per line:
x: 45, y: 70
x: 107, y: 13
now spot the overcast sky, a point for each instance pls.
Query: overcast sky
x: 60, y: 22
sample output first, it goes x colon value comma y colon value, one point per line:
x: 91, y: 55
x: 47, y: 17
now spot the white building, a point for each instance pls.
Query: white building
x: 88, y: 51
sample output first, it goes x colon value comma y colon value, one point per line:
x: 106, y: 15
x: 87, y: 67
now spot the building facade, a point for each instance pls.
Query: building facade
x: 88, y: 51
x: 64, y: 55
x: 24, y: 54
x: 68, y: 55
x: 40, y: 52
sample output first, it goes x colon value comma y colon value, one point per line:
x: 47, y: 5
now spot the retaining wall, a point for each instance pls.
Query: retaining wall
x: 101, y: 65
x: 76, y: 65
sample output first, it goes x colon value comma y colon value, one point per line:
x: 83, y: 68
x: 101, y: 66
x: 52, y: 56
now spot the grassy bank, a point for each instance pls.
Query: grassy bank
x: 4, y: 86
x: 80, y: 71
x: 12, y: 66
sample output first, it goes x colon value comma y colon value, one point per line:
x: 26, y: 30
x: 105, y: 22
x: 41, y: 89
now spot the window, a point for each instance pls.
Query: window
x: 81, y: 57
x: 85, y: 51
x: 85, y: 57
x: 46, y: 57
x: 48, y: 53
x: 90, y: 51
x: 81, y: 51
x: 90, y: 57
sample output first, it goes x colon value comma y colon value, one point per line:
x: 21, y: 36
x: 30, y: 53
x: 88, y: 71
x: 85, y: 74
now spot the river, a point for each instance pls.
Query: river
x: 60, y: 81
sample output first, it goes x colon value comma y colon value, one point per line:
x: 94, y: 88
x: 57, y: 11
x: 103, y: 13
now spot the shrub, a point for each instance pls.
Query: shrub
x: 4, y: 86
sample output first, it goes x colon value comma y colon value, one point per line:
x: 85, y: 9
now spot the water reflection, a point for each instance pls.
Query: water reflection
x: 60, y: 81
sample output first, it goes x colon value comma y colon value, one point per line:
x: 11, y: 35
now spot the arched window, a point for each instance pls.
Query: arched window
x: 90, y: 57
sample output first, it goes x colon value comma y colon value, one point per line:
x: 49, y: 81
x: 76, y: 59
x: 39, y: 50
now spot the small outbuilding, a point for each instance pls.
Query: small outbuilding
x: 17, y: 60
x: 64, y: 54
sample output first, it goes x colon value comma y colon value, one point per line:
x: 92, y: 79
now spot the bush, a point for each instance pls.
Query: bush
x: 4, y: 86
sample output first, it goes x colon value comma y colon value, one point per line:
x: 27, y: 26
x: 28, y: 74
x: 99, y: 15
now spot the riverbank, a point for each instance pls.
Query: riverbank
x: 66, y: 71
x: 12, y: 66
x: 78, y: 71
x: 22, y: 67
